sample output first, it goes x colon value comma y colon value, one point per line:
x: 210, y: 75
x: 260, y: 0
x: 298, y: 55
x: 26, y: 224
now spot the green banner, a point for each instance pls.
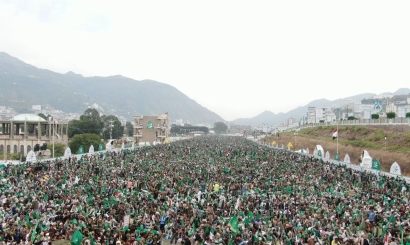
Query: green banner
x: 319, y: 153
x: 376, y: 164
x: 80, y: 150
x: 101, y: 147
x: 337, y: 158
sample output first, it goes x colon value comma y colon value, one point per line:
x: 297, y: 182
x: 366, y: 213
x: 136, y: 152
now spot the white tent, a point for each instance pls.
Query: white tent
x: 31, y: 157
x: 91, y: 150
x: 366, y: 160
x: 395, y: 169
x: 303, y: 151
x: 67, y: 152
x: 327, y: 155
x: 347, y: 159
x: 317, y: 149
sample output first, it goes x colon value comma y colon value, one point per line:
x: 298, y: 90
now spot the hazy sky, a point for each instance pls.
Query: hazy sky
x: 237, y: 58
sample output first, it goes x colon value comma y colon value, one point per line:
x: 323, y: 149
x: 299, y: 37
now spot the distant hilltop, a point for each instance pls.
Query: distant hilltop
x: 24, y: 85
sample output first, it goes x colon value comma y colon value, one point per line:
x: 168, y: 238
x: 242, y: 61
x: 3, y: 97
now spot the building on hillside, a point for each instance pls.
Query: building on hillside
x: 289, y: 121
x: 23, y: 132
x: 315, y: 115
x: 151, y: 129
x: 401, y: 108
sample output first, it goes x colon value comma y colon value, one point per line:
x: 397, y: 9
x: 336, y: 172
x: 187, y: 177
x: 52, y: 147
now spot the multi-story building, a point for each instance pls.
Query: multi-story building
x: 23, y: 132
x: 151, y: 129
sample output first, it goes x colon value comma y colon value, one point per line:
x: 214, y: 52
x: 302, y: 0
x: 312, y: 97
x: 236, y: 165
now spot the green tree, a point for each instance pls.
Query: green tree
x: 351, y: 118
x: 129, y: 129
x: 220, y: 127
x: 117, y: 128
x: 58, y: 149
x: 86, y: 140
x: 408, y: 115
x: 375, y: 116
x: 83, y: 127
x: 90, y: 123
x: 391, y: 115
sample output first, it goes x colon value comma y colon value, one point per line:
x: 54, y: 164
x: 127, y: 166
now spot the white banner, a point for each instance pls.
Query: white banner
x: 395, y: 169
x: 91, y: 150
x: 31, y: 157
x: 67, y: 152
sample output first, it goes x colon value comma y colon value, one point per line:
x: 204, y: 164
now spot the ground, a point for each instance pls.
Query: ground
x: 353, y: 140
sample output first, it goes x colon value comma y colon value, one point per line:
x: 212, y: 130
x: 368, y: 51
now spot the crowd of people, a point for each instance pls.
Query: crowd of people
x: 205, y: 190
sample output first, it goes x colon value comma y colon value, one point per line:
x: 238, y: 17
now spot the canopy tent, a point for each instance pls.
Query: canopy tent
x: 366, y: 160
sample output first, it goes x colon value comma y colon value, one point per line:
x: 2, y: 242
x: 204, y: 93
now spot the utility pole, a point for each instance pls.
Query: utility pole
x: 111, y: 126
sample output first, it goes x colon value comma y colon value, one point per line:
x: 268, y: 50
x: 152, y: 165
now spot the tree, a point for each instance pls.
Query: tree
x: 408, y: 115
x: 86, y: 140
x: 58, y: 149
x: 117, y: 128
x: 391, y: 115
x: 220, y: 127
x: 83, y: 127
x: 90, y: 123
x: 129, y: 129
x: 375, y: 116
x: 351, y: 118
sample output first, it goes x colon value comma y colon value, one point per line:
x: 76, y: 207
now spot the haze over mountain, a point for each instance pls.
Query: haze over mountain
x: 24, y: 85
x: 297, y: 113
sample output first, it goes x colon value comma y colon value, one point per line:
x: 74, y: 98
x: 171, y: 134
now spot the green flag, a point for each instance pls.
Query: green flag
x: 80, y: 150
x: 375, y: 164
x: 234, y: 224
x: 77, y: 238
x: 100, y: 147
x: 34, y: 233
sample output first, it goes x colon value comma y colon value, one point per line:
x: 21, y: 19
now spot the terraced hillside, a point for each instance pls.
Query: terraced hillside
x: 353, y: 140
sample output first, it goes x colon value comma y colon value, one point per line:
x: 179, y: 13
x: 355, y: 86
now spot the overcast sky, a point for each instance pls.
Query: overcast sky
x: 237, y: 58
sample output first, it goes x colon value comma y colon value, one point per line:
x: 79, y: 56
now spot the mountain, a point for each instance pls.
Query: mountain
x: 297, y: 113
x: 23, y: 85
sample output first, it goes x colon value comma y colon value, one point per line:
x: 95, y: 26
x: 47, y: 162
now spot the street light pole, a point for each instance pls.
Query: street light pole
x: 385, y: 138
x: 295, y: 134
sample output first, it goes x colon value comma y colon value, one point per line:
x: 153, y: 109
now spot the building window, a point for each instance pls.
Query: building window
x: 1, y: 148
x: 15, y: 149
x: 8, y: 148
x: 22, y: 149
x: 28, y: 148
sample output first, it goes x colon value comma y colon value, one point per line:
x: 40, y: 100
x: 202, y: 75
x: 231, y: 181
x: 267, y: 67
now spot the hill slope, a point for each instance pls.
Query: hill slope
x: 297, y: 113
x: 353, y: 140
x: 23, y: 85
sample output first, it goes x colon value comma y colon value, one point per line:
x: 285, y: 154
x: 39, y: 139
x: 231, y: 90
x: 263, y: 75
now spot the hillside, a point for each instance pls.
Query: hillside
x: 272, y: 118
x: 23, y: 85
x: 353, y: 140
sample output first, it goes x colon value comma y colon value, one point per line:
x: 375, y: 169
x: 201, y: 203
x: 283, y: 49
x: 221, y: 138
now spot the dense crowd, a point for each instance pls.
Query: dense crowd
x: 205, y: 190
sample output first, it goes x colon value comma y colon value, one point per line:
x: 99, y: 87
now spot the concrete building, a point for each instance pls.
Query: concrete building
x: 23, y: 132
x: 151, y: 129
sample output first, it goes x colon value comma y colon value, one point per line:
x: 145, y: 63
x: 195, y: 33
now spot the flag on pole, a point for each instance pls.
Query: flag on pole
x: 334, y: 136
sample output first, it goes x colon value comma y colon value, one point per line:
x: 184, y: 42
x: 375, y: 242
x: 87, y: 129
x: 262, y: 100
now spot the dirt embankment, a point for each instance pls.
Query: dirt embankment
x: 386, y: 143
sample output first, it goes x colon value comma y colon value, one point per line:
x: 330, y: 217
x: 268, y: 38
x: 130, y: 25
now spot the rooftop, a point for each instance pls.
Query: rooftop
x: 28, y: 117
